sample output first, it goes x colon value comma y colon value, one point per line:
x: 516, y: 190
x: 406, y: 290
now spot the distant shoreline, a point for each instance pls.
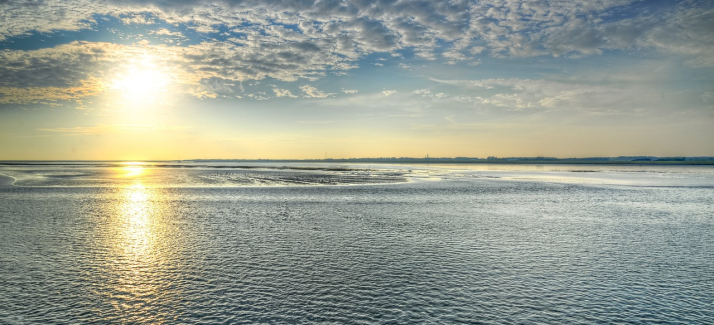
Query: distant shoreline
x: 419, y: 161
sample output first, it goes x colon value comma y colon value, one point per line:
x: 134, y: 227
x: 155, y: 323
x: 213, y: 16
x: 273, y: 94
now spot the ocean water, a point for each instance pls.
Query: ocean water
x: 114, y: 243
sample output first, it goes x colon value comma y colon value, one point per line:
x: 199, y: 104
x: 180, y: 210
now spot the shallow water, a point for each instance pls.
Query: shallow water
x: 355, y: 244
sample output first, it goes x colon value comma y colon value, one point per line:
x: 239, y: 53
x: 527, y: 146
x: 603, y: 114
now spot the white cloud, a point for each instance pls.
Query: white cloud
x: 584, y: 94
x: 333, y: 36
x: 428, y: 94
x: 477, y: 50
x: 114, y: 128
x: 312, y: 92
x: 687, y: 32
x: 166, y: 32
x: 140, y: 19
x: 454, y: 56
x: 283, y: 93
x: 388, y: 92
x: 355, y: 28
x: 258, y: 96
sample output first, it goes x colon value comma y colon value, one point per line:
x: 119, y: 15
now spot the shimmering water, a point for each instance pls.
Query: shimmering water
x: 115, y: 244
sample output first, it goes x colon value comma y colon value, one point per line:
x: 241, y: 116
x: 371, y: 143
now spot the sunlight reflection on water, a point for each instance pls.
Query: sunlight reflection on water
x: 135, y: 221
x: 131, y: 172
x: 139, y: 265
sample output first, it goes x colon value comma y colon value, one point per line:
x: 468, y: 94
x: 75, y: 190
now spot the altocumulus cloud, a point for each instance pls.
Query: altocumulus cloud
x: 298, y: 41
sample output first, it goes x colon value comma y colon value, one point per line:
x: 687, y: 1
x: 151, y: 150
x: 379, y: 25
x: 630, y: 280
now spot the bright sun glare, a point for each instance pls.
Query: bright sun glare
x: 142, y: 79
x: 132, y: 171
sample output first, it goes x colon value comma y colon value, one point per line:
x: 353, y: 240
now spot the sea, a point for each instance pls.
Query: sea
x: 322, y: 243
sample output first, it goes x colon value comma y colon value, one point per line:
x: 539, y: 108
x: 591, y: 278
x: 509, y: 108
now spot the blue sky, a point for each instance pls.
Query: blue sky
x: 300, y: 79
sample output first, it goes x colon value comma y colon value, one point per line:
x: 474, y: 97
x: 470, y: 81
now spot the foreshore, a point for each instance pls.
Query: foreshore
x: 6, y: 181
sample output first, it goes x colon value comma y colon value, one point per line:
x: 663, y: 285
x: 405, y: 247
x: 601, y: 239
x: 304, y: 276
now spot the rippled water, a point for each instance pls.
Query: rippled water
x: 355, y: 245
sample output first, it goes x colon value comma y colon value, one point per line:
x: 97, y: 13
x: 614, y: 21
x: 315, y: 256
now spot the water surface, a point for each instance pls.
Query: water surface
x: 357, y: 244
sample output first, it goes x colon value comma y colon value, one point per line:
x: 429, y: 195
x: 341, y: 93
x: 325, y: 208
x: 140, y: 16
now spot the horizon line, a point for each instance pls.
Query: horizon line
x: 487, y: 159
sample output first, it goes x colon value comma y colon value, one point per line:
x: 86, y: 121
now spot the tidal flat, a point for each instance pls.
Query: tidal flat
x: 118, y: 243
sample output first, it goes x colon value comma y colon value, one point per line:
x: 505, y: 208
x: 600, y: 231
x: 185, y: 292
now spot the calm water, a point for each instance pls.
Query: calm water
x: 359, y: 244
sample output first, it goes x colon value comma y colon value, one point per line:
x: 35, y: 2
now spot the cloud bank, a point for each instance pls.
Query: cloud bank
x: 225, y: 43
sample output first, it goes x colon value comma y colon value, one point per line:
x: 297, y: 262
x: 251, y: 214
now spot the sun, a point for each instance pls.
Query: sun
x: 141, y: 83
x: 141, y: 80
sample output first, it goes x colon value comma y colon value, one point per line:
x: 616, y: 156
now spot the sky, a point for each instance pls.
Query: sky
x: 306, y: 79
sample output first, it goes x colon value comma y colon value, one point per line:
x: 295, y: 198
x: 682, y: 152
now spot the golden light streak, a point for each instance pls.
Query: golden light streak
x: 131, y: 172
x: 138, y: 247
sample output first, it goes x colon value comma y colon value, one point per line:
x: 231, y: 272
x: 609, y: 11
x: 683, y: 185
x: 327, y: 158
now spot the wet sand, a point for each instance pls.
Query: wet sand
x: 6, y: 181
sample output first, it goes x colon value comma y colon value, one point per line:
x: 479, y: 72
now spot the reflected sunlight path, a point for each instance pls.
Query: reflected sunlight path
x: 141, y: 288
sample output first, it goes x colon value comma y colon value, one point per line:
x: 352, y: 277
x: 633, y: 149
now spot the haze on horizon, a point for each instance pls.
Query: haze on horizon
x: 162, y: 80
